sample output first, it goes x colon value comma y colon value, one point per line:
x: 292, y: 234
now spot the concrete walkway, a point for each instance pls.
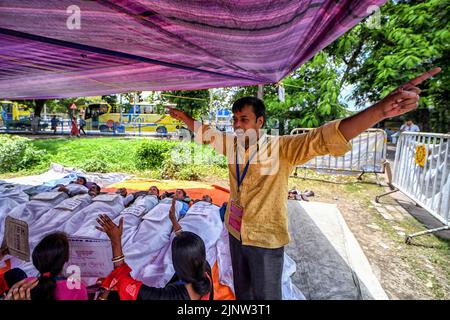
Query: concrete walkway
x: 330, y: 263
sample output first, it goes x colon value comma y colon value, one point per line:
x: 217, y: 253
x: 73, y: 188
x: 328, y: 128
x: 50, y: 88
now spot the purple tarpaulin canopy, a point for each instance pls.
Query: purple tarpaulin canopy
x: 124, y: 45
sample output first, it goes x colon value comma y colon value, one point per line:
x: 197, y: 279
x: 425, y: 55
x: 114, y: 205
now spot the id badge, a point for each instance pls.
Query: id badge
x: 235, y: 216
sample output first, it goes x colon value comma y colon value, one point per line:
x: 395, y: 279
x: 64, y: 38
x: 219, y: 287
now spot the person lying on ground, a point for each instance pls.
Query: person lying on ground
x: 181, y: 195
x: 127, y: 198
x: 55, y: 218
x: 145, y: 236
x: 49, y: 258
x: 133, y: 213
x: 189, y: 260
x: 94, y: 190
x: 153, y: 190
x: 74, y: 188
x: 205, y: 198
x: 202, y: 219
x: 82, y: 222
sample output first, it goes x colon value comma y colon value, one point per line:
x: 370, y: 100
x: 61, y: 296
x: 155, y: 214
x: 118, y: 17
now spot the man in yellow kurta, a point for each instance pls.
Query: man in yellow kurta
x: 259, y: 167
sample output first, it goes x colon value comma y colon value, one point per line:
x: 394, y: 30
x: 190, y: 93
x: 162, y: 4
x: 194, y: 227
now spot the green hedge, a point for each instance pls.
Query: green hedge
x: 17, y: 153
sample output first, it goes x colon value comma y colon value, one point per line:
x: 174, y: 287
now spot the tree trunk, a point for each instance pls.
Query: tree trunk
x: 260, y: 91
x: 38, y: 106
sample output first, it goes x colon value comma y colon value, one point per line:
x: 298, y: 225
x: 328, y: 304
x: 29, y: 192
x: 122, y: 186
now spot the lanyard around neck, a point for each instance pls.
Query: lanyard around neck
x: 240, y: 178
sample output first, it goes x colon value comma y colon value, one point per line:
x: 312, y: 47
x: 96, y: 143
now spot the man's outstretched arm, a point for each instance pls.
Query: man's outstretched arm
x: 205, y: 134
x: 182, y: 116
x: 400, y: 101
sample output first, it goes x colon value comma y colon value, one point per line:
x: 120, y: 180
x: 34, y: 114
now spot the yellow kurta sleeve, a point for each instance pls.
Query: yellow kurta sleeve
x: 327, y: 139
x: 217, y: 139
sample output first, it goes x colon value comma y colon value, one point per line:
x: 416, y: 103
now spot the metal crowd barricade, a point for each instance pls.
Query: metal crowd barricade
x: 422, y: 172
x: 368, y: 155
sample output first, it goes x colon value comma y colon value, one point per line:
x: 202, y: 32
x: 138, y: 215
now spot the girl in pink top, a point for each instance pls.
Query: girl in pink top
x: 49, y: 258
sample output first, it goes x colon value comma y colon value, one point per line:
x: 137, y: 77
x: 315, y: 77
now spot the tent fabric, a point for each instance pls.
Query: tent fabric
x: 124, y: 45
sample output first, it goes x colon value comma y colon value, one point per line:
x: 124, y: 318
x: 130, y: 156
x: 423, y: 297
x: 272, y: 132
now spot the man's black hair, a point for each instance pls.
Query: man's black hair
x: 259, y: 109
x: 97, y: 186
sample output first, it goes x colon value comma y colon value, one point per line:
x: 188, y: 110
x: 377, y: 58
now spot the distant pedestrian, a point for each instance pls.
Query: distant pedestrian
x: 409, y: 126
x: 82, y: 125
x: 54, y: 124
x: 74, y: 130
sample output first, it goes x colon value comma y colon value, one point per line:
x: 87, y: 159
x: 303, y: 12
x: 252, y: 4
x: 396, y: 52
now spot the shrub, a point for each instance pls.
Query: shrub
x: 151, y: 154
x: 95, y: 165
x: 173, y: 170
x: 169, y: 169
x: 190, y: 172
x: 17, y: 153
x: 191, y: 153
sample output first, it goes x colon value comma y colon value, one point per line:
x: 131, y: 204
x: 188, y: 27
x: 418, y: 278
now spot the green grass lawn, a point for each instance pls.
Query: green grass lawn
x: 118, y: 153
x: 107, y: 155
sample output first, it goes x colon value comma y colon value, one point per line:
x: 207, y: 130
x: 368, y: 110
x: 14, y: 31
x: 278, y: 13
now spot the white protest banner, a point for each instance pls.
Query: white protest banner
x: 201, y: 208
x: 16, y: 238
x: 92, y: 256
x: 106, y: 197
x: 135, y: 210
x: 69, y: 204
x: 48, y: 195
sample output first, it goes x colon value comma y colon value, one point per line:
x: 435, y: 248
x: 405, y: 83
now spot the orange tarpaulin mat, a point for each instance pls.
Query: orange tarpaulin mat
x: 194, y: 189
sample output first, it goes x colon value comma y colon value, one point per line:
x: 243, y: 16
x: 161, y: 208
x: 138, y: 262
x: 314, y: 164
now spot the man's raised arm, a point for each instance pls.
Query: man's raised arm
x: 402, y: 100
x: 182, y: 116
x: 206, y: 134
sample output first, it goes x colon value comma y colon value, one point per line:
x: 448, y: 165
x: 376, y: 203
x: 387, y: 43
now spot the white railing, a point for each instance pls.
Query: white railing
x: 368, y: 154
x: 422, y: 172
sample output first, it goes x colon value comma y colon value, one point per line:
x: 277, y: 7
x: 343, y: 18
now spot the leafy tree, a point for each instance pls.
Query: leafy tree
x: 311, y: 96
x: 111, y: 99
x: 193, y: 102
x: 414, y: 36
x: 129, y: 97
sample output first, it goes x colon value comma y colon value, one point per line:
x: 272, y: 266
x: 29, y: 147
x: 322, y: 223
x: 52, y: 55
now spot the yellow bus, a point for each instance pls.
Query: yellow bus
x: 13, y: 111
x: 141, y: 117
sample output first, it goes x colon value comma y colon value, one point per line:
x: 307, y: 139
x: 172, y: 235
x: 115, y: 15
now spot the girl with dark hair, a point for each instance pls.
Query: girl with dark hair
x: 189, y: 260
x: 49, y: 258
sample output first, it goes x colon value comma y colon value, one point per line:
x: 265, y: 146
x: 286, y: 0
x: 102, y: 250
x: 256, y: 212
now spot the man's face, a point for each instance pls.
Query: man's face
x: 79, y: 181
x: 122, y: 192
x: 153, y: 191
x: 179, y: 194
x: 207, y: 198
x: 246, y: 119
x: 409, y: 123
x: 93, y: 191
